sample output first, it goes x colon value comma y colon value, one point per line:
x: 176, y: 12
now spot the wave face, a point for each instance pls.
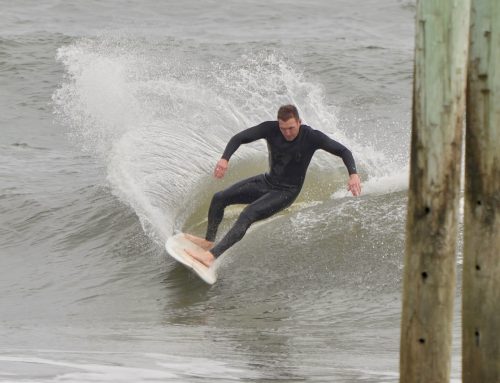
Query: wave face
x: 159, y: 117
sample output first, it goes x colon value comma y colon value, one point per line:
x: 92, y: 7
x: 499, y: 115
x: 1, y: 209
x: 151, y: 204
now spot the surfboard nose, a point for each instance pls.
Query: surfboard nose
x: 176, y: 247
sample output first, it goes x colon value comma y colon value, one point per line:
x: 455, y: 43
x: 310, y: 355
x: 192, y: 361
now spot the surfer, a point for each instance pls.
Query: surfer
x: 291, y: 146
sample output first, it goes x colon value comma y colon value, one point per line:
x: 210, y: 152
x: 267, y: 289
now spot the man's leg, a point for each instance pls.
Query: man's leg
x: 264, y: 207
x: 243, y: 192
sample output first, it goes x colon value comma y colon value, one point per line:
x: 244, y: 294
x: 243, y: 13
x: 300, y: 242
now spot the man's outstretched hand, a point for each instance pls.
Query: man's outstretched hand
x: 220, y: 168
x: 354, y: 185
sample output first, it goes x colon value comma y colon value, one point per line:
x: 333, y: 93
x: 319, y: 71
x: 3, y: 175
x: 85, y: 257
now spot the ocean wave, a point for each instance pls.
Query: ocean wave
x: 159, y: 117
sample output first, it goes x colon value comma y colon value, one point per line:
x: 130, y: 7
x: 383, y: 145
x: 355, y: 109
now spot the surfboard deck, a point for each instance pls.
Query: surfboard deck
x: 175, y: 246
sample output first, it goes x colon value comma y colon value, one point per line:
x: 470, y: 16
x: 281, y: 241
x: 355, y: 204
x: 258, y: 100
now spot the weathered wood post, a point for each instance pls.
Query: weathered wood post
x: 431, y: 232
x: 481, y: 285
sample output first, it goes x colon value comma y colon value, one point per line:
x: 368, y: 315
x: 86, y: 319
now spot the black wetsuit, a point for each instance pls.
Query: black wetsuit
x: 268, y: 193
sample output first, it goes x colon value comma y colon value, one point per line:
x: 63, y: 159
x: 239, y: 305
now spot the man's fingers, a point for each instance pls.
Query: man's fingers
x: 219, y: 172
x: 354, y: 188
x: 220, y: 168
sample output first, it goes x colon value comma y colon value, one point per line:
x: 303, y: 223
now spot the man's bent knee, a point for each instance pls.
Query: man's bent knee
x: 218, y: 198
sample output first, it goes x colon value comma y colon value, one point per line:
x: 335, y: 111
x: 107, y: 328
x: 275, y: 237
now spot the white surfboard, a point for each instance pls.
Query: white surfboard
x: 175, y: 246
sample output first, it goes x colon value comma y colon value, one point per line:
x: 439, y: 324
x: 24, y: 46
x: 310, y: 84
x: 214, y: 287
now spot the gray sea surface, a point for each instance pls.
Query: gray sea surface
x: 112, y: 116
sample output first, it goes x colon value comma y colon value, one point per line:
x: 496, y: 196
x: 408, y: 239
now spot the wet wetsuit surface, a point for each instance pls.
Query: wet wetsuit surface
x: 275, y: 190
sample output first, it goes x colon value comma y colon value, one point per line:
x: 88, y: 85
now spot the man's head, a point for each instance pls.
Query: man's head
x: 289, y: 121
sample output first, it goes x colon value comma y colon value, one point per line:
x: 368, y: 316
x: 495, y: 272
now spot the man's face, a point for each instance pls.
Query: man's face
x: 289, y: 128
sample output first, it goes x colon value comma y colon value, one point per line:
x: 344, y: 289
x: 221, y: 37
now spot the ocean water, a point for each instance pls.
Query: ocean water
x: 112, y: 116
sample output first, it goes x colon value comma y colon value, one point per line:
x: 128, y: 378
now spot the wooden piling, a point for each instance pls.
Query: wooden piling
x: 438, y: 110
x: 481, y: 280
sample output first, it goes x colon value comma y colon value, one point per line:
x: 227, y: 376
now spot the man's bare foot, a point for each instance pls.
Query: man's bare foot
x: 205, y: 257
x: 201, y: 242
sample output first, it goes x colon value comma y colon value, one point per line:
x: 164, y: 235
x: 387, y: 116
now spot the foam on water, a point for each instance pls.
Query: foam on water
x: 383, y: 184
x: 154, y: 367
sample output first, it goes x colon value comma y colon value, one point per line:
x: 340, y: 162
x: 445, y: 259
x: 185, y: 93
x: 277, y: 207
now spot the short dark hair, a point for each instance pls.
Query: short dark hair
x: 286, y: 112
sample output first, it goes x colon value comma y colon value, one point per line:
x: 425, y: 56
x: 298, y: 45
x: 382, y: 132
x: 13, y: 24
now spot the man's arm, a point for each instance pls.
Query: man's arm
x: 331, y: 146
x: 244, y: 137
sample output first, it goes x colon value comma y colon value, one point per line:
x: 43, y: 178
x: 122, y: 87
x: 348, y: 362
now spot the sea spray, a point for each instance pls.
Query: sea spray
x: 159, y: 118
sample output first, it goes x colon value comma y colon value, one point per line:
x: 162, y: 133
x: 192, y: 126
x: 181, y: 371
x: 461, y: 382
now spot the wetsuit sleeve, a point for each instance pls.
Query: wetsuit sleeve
x: 244, y: 137
x: 331, y: 146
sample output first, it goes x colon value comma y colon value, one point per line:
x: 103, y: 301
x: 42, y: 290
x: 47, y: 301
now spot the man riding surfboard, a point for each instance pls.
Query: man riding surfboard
x: 291, y: 147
